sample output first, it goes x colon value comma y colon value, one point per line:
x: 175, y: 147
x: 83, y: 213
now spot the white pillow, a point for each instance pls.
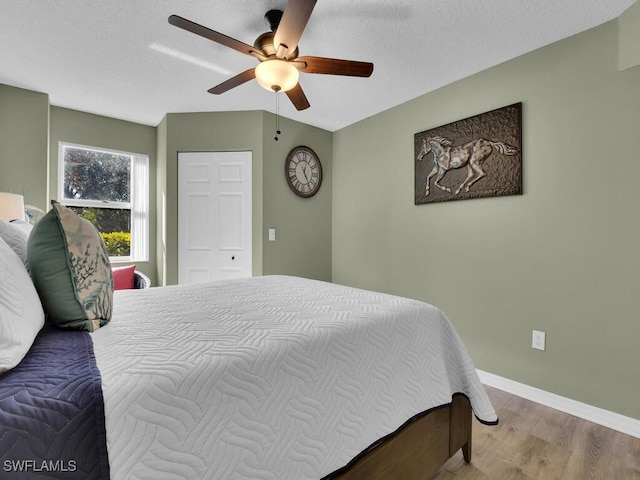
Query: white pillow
x: 16, y: 235
x: 21, y: 314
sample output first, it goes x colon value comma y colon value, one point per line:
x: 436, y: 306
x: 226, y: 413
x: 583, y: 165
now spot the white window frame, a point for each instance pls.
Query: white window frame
x: 139, y: 196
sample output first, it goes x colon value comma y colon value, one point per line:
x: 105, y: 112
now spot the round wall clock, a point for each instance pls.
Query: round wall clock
x: 303, y: 171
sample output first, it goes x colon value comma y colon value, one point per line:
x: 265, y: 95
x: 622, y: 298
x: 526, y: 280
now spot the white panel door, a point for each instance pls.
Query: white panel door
x: 214, y: 216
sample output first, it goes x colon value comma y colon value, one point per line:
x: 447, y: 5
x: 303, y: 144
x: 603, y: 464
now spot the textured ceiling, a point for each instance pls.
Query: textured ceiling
x: 117, y: 57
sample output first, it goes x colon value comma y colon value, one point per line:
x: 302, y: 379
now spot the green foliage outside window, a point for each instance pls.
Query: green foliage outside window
x: 118, y: 243
x: 113, y: 225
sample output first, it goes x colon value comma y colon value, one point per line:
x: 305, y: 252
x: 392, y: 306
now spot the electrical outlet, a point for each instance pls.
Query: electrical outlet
x: 538, y: 340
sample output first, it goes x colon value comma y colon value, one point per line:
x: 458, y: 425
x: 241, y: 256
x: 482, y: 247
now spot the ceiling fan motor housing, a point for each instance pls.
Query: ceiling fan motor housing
x: 265, y: 43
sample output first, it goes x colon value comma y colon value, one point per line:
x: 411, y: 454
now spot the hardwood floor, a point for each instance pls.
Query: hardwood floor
x: 534, y: 442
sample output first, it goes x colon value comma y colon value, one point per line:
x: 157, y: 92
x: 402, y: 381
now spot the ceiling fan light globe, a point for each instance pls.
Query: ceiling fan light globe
x: 277, y: 75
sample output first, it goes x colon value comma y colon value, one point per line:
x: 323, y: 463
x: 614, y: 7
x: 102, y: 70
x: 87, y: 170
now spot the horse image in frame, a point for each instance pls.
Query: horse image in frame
x: 489, y: 145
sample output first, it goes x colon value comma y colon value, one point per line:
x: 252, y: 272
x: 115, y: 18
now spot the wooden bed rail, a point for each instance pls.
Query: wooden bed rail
x: 460, y: 427
x: 419, y: 449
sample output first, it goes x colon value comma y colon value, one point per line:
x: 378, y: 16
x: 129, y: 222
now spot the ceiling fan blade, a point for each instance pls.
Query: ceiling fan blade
x: 298, y: 98
x: 294, y: 19
x: 215, y: 36
x: 334, y: 66
x: 234, y: 82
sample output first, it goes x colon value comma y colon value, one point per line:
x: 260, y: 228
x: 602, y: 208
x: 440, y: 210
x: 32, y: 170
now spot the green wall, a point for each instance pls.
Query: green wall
x: 629, y: 37
x: 82, y: 128
x: 303, y: 226
x: 562, y: 258
x: 24, y: 144
x: 303, y: 244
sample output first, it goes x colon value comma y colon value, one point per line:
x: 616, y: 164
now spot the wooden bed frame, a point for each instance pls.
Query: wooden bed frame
x: 420, y: 448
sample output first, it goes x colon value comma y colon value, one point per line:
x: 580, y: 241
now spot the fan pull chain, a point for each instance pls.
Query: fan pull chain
x: 278, y: 132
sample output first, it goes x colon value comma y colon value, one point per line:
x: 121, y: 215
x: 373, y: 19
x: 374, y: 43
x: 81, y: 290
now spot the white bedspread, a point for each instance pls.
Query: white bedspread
x: 270, y: 377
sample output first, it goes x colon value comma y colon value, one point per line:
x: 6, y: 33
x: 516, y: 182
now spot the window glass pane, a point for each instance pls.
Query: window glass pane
x: 114, y: 226
x: 111, y: 189
x: 95, y: 175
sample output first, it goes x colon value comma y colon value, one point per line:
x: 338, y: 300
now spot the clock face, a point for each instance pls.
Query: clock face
x: 303, y: 171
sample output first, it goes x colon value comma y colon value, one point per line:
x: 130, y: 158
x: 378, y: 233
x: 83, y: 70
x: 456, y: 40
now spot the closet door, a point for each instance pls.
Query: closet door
x: 214, y: 216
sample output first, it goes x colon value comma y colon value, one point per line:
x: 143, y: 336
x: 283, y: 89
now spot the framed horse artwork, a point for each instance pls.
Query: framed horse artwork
x: 480, y: 156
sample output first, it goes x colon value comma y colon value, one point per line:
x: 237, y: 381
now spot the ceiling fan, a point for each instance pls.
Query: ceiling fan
x: 277, y: 52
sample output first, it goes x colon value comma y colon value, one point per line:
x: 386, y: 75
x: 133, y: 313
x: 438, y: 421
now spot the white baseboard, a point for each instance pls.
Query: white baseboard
x: 615, y: 421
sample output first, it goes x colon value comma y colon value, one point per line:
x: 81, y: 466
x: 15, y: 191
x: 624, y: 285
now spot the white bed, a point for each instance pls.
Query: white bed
x: 269, y: 377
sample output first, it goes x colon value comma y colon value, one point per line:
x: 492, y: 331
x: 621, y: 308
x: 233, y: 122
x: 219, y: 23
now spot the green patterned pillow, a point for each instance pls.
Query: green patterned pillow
x: 71, y: 270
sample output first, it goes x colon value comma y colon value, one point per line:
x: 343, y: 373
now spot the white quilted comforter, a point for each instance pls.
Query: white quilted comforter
x: 269, y: 377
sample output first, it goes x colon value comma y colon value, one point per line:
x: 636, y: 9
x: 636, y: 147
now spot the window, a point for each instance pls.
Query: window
x: 110, y: 189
